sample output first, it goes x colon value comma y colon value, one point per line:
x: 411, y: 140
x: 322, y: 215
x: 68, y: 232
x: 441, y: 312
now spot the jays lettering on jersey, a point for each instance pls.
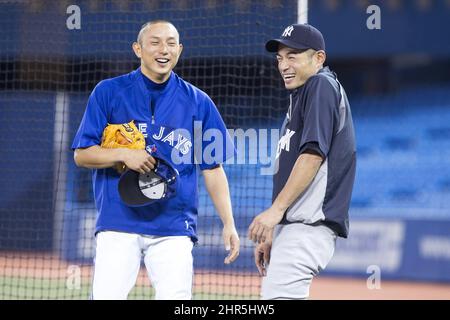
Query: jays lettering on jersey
x: 319, y: 119
x: 167, y: 114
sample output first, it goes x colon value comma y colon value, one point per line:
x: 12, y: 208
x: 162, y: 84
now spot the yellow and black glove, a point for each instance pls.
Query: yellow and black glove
x: 125, y: 135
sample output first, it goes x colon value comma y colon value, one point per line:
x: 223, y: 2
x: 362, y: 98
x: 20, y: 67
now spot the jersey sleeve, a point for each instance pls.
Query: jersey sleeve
x: 320, y: 117
x: 216, y: 145
x: 94, y: 120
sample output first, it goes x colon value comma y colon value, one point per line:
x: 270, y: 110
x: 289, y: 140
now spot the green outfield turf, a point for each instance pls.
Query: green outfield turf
x: 29, y: 288
x: 18, y: 288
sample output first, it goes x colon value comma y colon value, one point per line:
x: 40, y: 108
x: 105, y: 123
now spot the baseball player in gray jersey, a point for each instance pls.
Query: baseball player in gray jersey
x: 314, y: 171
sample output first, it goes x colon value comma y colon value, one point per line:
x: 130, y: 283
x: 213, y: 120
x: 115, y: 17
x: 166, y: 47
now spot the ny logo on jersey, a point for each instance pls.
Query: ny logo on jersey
x: 287, y: 32
x: 285, y: 142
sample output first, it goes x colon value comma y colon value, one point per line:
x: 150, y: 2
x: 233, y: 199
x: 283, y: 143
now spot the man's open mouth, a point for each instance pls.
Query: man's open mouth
x: 288, y: 76
x: 162, y: 60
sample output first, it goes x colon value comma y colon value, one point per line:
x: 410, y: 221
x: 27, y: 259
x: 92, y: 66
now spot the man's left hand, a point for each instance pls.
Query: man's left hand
x: 231, y: 242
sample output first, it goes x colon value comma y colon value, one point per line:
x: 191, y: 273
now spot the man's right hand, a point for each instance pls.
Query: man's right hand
x: 138, y: 160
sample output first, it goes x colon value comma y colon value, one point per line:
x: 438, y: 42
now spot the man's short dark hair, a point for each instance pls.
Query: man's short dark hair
x: 149, y: 23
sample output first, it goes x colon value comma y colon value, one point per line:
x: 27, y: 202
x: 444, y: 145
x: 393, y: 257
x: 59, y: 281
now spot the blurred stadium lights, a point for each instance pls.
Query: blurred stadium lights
x: 424, y: 5
x: 332, y: 4
x: 394, y: 5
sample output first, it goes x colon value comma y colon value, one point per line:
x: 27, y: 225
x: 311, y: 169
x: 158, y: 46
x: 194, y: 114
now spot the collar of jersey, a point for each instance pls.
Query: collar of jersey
x: 143, y: 87
x: 153, y: 86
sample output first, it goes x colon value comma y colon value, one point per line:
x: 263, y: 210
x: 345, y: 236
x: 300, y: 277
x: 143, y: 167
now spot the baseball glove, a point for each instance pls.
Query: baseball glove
x: 125, y: 135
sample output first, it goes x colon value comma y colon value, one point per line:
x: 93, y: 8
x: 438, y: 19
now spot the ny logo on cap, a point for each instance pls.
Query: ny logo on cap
x: 287, y: 32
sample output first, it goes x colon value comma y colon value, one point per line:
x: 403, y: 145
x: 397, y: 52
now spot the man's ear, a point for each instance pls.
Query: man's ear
x: 321, y: 57
x: 137, y: 49
x: 181, y: 50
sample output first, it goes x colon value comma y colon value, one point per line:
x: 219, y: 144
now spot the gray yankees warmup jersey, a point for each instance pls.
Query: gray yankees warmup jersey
x: 319, y: 119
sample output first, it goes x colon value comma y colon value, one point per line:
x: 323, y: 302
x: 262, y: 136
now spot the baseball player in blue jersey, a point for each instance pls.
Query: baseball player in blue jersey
x: 165, y: 109
x: 314, y: 171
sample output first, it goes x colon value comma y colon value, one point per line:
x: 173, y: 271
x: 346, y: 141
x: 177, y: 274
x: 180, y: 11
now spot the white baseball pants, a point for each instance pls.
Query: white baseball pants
x: 118, y: 256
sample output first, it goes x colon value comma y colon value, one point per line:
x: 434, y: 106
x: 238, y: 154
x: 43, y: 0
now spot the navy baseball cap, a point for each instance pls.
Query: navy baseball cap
x: 298, y: 36
x: 137, y: 189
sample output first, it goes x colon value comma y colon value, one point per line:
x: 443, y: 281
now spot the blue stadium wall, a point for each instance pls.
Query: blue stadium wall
x: 407, y: 27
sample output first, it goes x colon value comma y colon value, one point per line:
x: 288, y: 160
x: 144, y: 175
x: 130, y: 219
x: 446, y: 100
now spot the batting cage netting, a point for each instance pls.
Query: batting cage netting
x: 52, y: 54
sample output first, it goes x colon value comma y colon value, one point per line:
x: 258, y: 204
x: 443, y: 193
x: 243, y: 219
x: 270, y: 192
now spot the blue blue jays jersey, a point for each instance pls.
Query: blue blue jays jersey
x: 173, y: 118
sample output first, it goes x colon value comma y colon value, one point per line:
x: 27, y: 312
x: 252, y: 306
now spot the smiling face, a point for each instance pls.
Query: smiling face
x: 159, y: 48
x: 296, y: 66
